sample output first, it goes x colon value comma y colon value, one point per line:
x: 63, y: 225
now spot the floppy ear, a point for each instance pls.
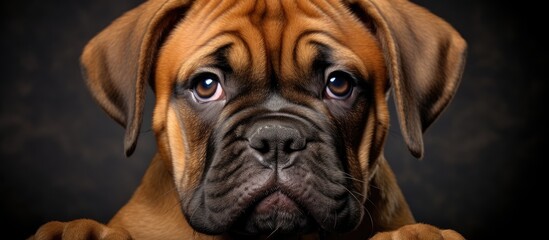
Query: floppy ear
x: 425, y: 57
x: 118, y: 61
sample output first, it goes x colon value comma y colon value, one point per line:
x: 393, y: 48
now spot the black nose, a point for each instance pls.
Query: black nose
x: 275, y: 144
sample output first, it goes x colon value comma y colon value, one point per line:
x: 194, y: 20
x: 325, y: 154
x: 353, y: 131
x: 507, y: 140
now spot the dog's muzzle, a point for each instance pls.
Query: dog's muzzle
x: 280, y: 172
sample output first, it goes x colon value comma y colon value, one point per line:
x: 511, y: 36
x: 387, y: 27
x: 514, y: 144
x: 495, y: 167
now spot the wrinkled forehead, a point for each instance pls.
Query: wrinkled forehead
x: 272, y: 36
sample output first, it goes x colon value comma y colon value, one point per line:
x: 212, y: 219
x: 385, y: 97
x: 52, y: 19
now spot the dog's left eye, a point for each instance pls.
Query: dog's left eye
x: 207, y: 87
x: 339, y: 85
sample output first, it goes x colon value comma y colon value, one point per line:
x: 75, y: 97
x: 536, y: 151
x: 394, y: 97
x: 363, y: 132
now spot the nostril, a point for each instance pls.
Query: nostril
x: 294, y: 144
x: 261, y: 145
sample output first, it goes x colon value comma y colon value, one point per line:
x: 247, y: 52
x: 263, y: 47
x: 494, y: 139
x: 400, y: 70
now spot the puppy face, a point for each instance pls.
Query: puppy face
x: 272, y: 115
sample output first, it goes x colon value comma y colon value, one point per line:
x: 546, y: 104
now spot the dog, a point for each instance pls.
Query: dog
x: 270, y: 116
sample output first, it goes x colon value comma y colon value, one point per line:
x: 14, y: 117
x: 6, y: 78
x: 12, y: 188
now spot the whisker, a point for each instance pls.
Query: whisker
x: 326, y: 218
x: 273, y: 232
x: 351, y: 177
x: 194, y: 211
x: 375, y: 186
x: 349, y: 191
x: 335, y: 219
x: 174, y: 188
x: 371, y: 218
x: 298, y: 209
x: 373, y: 204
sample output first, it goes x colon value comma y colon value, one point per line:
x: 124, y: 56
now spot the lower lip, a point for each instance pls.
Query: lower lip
x: 277, y: 201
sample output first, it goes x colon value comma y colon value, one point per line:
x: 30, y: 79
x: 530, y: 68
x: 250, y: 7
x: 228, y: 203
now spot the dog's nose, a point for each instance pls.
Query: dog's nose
x: 275, y: 144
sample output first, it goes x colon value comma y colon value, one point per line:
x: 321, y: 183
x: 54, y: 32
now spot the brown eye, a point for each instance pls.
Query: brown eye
x: 207, y: 87
x: 339, y: 85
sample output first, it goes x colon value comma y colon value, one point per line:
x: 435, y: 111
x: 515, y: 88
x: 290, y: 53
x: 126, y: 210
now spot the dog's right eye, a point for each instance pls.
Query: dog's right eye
x: 207, y: 87
x: 339, y: 85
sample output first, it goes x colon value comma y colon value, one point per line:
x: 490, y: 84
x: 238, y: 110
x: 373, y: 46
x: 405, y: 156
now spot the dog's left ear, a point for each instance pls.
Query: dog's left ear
x: 118, y: 62
x: 425, y: 57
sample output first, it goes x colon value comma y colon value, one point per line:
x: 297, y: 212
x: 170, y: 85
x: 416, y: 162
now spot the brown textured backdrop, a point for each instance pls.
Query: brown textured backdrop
x: 62, y: 157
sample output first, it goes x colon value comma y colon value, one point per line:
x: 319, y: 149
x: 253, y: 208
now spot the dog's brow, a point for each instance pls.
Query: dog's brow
x: 220, y: 58
x: 317, y: 43
x: 323, y: 57
x: 216, y: 58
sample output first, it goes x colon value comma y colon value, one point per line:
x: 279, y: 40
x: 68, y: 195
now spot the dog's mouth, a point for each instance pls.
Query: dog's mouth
x: 245, y: 198
x: 277, y: 214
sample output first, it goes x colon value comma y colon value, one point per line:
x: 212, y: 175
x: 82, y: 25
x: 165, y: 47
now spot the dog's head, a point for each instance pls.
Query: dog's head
x: 272, y: 114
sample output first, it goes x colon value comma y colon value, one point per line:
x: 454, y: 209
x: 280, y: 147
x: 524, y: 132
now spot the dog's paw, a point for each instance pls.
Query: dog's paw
x: 80, y: 229
x: 419, y: 231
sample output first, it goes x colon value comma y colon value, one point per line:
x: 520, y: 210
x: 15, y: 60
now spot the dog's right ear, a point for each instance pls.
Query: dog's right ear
x: 118, y: 62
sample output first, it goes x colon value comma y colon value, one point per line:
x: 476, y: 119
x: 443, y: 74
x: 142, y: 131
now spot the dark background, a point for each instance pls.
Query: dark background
x: 62, y: 157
